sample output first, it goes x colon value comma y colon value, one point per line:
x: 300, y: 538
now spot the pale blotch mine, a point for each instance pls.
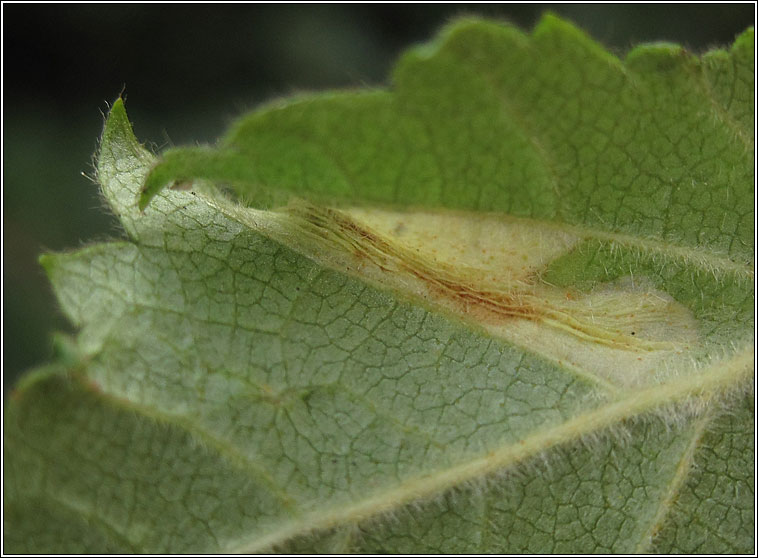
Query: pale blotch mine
x: 486, y: 271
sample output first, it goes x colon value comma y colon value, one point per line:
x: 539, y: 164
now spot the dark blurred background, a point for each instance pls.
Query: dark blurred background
x: 188, y: 70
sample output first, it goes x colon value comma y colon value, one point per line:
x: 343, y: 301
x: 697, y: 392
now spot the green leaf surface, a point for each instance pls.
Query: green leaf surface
x: 505, y: 306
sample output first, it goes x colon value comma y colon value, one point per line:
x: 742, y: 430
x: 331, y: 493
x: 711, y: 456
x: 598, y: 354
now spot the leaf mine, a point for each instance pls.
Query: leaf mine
x: 487, y: 272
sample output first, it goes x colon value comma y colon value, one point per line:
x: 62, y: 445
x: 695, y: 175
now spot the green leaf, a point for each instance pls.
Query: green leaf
x: 505, y: 306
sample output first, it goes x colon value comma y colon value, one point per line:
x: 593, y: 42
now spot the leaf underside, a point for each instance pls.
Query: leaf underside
x: 504, y: 306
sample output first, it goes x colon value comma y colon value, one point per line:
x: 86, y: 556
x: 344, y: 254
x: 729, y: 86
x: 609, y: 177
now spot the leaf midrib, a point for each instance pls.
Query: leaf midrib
x: 715, y: 378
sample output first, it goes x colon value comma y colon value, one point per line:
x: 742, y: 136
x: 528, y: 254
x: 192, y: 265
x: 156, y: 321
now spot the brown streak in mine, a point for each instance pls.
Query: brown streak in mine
x: 448, y: 285
x: 485, y: 305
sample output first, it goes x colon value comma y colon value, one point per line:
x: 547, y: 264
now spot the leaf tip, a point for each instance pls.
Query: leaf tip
x: 48, y: 263
x: 119, y: 105
x: 657, y: 57
x: 745, y: 40
x: 117, y: 125
x: 550, y: 22
x: 561, y: 35
x: 143, y: 200
x: 118, y: 131
x: 548, y: 19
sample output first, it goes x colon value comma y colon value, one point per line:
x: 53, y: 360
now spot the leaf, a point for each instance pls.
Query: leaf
x: 503, y: 307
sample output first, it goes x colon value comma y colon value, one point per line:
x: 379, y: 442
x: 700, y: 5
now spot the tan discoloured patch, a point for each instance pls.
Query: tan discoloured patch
x: 505, y: 250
